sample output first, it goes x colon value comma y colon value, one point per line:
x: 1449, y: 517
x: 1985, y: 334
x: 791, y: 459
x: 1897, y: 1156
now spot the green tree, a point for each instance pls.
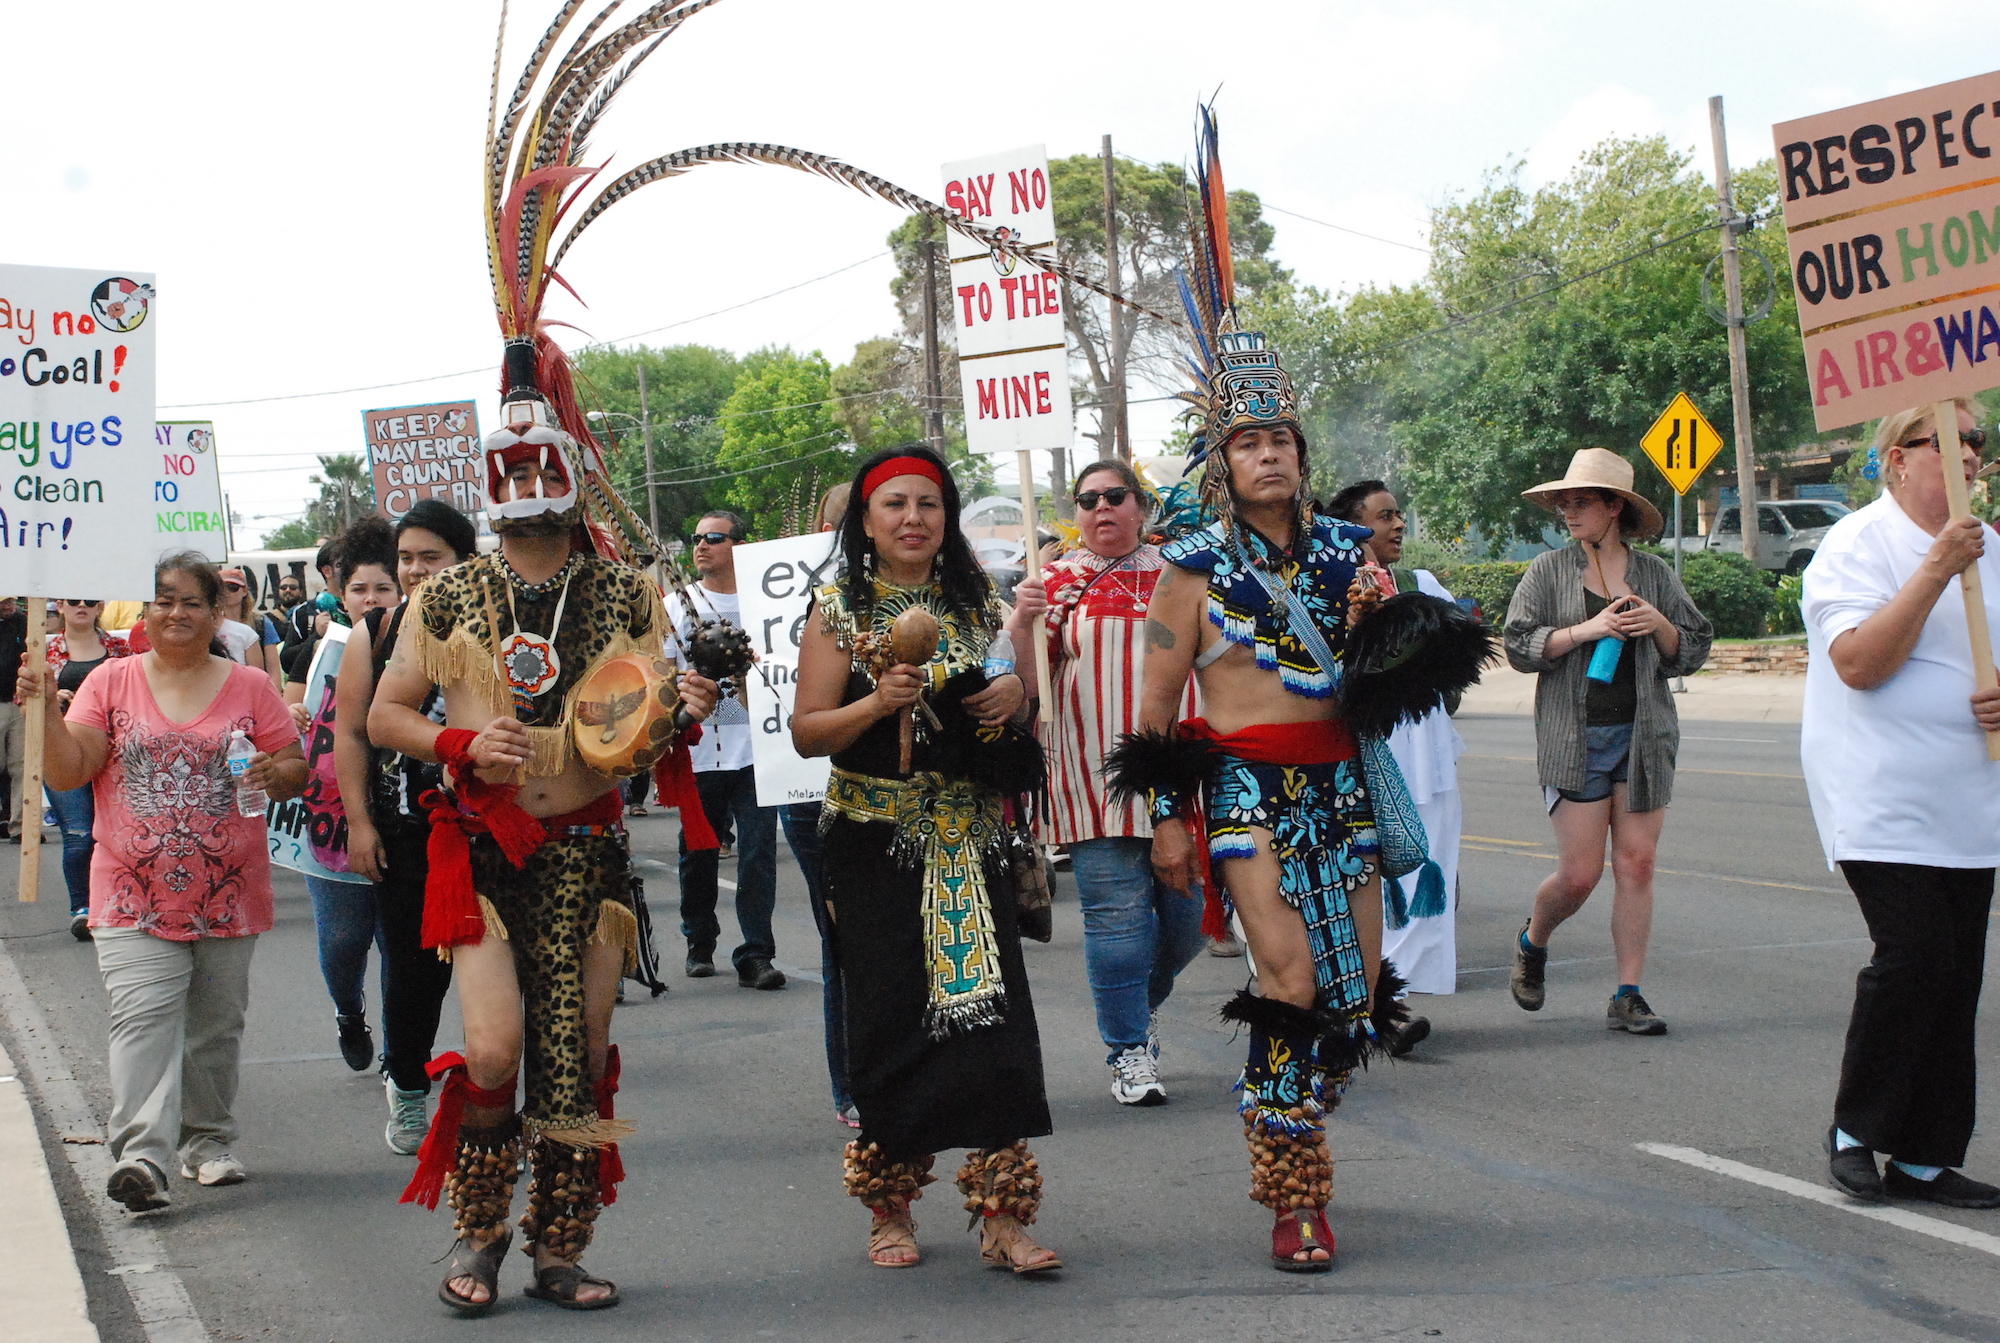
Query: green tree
x: 779, y: 434
x: 874, y: 401
x: 686, y: 386
x: 1550, y: 320
x: 345, y: 493
x: 297, y: 534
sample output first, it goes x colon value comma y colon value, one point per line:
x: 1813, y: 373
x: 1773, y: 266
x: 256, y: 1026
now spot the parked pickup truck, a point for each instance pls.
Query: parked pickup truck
x: 1788, y: 531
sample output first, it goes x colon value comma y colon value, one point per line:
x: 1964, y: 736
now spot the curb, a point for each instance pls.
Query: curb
x: 46, y: 1301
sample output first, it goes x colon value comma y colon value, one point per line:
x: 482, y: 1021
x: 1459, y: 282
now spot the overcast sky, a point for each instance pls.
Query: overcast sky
x: 304, y: 179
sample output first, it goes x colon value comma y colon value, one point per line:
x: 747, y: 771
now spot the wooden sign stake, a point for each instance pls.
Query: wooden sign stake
x: 1033, y: 561
x: 28, y: 788
x: 1950, y: 455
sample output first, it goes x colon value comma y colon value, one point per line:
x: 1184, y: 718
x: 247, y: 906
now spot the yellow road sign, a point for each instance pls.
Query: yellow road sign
x: 1681, y: 443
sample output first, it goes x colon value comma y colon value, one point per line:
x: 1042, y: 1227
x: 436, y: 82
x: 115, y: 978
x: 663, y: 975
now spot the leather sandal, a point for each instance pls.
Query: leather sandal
x: 559, y: 1284
x: 895, y: 1231
x: 1298, y: 1231
x: 483, y: 1266
x: 1017, y: 1253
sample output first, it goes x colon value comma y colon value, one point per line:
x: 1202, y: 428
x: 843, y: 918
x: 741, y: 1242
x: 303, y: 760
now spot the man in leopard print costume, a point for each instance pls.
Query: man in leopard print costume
x: 529, y: 891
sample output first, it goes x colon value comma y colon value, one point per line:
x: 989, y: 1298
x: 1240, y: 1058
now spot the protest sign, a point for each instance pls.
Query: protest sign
x: 309, y: 833
x: 187, y: 489
x: 774, y: 585
x: 76, y: 429
x: 1013, y: 363
x: 1896, y: 268
x: 425, y: 452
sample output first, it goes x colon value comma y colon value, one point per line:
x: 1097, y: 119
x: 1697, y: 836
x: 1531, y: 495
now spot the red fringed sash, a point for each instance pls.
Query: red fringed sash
x: 610, y: 1166
x: 439, y: 1153
x: 673, y: 781
x: 451, y: 911
x: 1322, y: 743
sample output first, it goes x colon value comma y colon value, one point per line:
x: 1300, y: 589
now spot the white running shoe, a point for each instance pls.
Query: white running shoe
x: 408, y: 1120
x: 223, y: 1169
x: 1135, y: 1078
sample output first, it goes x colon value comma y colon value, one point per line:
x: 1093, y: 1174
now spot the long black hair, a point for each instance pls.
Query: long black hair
x: 444, y: 522
x: 964, y: 584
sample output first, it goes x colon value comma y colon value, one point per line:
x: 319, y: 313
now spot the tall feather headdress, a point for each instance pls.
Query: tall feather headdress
x: 535, y: 173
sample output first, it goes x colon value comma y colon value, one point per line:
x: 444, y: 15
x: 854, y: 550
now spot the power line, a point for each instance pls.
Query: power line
x: 1342, y: 228
x: 488, y: 368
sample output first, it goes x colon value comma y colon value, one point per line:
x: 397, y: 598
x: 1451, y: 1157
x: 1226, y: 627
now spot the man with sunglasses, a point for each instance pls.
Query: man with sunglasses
x: 1138, y: 933
x: 727, y: 781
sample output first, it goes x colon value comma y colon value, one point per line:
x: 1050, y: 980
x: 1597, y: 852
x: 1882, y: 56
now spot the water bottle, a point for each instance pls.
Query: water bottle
x: 1000, y: 656
x: 1604, y: 659
x: 250, y: 799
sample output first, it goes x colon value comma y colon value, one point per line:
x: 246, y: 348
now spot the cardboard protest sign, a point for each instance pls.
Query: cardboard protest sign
x: 187, y: 489
x: 425, y: 452
x: 76, y: 431
x: 774, y: 584
x: 1893, y: 221
x: 309, y: 833
x: 1013, y: 362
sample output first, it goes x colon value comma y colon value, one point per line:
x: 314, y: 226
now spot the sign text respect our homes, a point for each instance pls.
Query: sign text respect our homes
x: 77, y: 454
x: 1892, y: 213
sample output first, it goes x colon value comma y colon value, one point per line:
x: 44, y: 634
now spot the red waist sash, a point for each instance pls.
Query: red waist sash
x: 1325, y: 742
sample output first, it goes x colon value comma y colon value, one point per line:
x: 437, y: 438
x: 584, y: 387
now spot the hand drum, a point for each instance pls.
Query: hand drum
x: 625, y: 715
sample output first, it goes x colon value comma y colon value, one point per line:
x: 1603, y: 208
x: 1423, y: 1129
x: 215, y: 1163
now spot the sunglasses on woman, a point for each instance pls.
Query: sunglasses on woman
x: 68, y: 601
x: 1971, y: 438
x: 1115, y: 496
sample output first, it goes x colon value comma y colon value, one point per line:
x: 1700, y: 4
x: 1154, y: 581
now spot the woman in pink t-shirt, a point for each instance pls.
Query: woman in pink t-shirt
x: 180, y: 884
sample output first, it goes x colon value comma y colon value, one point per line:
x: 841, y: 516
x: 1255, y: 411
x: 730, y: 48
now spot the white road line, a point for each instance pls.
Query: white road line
x: 1934, y: 1227
x: 143, y: 1265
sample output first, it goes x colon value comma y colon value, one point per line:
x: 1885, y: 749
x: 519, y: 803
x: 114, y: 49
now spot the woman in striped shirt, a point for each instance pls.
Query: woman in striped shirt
x: 1137, y: 933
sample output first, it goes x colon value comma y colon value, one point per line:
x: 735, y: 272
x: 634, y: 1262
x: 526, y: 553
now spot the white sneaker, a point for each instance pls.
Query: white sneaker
x: 139, y: 1185
x: 1135, y: 1078
x: 408, y: 1120
x: 224, y: 1169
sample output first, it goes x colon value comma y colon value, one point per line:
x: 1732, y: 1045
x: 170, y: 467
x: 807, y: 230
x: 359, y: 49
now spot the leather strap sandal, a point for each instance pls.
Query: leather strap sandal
x: 894, y: 1231
x: 1010, y: 1247
x: 560, y: 1283
x: 483, y: 1266
x: 1301, y: 1231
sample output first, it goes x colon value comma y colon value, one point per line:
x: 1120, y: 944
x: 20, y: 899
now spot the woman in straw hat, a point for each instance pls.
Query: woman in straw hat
x: 1605, y: 627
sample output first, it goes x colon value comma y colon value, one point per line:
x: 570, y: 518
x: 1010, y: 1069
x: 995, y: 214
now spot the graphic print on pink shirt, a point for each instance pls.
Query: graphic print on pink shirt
x: 173, y: 856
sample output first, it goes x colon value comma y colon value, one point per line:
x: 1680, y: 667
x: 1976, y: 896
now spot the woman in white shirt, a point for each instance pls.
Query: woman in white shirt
x: 1908, y: 807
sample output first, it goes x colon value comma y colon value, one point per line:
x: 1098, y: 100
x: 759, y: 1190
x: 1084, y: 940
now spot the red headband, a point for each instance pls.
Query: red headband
x: 900, y: 466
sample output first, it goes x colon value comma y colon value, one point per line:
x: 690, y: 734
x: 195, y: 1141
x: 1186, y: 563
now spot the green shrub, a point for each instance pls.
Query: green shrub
x: 1727, y: 589
x: 1490, y: 583
x: 1790, y: 592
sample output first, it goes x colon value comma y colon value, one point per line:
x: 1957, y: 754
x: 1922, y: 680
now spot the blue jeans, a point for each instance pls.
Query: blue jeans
x: 345, y: 914
x: 729, y: 796
x: 801, y: 822
x: 1137, y: 935
x: 76, y: 813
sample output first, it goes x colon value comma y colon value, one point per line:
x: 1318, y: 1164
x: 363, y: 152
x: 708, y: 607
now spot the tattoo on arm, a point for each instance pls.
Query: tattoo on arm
x: 1158, y: 635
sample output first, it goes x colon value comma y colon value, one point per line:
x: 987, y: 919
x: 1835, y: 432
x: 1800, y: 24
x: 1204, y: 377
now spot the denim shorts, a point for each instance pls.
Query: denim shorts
x: 1607, y: 758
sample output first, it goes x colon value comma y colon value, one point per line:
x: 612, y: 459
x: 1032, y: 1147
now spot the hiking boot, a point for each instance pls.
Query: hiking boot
x: 1531, y: 965
x: 1629, y: 1012
x: 408, y: 1121
x: 757, y: 972
x: 1135, y: 1078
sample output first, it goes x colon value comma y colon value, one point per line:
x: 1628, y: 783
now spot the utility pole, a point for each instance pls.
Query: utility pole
x: 933, y: 373
x: 1121, y: 431
x: 1739, y: 372
x: 646, y: 437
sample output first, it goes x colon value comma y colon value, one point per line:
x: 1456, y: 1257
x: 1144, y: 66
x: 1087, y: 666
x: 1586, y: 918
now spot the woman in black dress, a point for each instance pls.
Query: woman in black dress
x: 942, y: 1046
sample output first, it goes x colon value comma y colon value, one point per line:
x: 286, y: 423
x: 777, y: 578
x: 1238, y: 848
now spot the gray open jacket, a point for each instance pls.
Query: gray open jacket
x: 1549, y: 598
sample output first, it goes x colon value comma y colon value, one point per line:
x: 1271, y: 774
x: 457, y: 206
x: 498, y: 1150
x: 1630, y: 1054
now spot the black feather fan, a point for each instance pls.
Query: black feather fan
x: 1144, y: 762
x: 1406, y: 657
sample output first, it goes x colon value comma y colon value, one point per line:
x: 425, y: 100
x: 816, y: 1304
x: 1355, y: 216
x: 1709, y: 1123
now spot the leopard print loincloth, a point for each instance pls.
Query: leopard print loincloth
x: 574, y: 891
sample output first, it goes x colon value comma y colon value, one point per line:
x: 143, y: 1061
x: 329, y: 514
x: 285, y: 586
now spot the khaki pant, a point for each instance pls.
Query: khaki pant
x: 13, y: 742
x: 176, y: 1039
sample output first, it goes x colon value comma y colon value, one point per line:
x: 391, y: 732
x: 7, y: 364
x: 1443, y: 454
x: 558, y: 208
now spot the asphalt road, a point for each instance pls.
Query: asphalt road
x: 1489, y: 1187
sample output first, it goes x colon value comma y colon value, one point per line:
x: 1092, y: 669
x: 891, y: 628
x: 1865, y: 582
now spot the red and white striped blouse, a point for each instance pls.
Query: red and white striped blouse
x: 1097, y: 645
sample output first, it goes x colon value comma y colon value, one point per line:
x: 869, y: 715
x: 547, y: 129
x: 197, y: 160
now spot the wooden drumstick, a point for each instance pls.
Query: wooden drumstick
x: 913, y: 639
